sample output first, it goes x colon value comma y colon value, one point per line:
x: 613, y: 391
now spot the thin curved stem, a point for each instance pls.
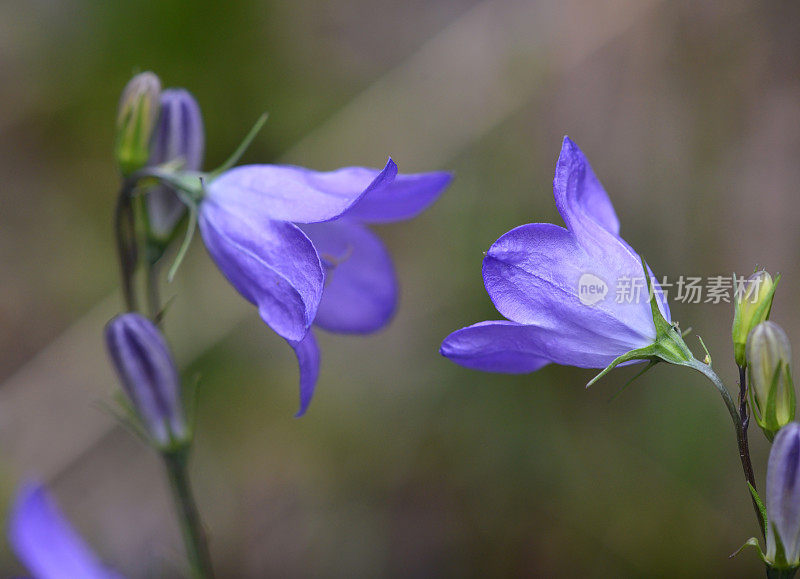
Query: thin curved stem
x: 741, y: 432
x: 743, y: 413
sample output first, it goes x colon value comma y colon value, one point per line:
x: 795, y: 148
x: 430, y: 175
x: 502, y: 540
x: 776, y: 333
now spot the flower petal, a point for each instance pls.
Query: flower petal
x: 360, y: 293
x: 534, y: 274
x: 307, y: 352
x: 179, y: 136
x: 579, y: 194
x: 271, y: 263
x: 289, y: 193
x: 503, y: 346
x: 403, y: 198
x: 783, y: 491
x: 46, y: 543
x: 589, y: 215
x: 499, y: 346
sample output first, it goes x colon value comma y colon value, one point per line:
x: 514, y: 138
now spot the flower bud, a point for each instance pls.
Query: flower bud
x: 752, y: 304
x: 772, y: 396
x: 136, y: 119
x: 178, y: 138
x: 149, y: 376
x: 783, y: 499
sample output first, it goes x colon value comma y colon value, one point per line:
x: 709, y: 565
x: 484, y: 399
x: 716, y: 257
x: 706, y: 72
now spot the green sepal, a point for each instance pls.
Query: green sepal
x: 123, y: 411
x: 240, y: 150
x: 766, y: 418
x: 751, y: 542
x: 191, y: 226
x: 761, y: 508
x: 650, y: 364
x: 668, y: 345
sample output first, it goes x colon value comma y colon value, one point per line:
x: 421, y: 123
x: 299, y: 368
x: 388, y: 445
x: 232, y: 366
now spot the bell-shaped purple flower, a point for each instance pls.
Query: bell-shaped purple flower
x: 783, y: 498
x: 556, y: 287
x: 149, y: 377
x: 331, y: 269
x: 179, y: 138
x: 46, y: 543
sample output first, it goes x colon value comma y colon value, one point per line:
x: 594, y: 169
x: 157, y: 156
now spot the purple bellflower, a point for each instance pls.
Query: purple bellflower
x: 178, y: 138
x: 46, y: 543
x: 149, y: 377
x: 552, y: 284
x: 294, y: 242
x: 783, y: 499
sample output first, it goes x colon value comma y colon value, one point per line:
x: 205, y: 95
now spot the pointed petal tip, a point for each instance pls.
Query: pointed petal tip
x: 307, y: 352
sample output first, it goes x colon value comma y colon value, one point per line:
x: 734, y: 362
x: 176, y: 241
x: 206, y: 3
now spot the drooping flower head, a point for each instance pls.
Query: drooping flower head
x: 46, y: 543
x: 555, y: 285
x: 294, y: 242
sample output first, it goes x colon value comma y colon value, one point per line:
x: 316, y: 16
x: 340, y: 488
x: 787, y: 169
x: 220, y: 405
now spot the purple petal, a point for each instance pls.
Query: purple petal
x: 271, y: 263
x: 403, y: 198
x: 783, y: 491
x: 307, y: 352
x: 580, y: 197
x: 361, y: 289
x: 503, y: 346
x: 534, y: 274
x: 499, y: 346
x: 288, y: 193
x: 46, y: 543
x: 178, y: 136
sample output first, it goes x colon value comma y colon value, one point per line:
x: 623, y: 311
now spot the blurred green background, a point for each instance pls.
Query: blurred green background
x: 406, y: 465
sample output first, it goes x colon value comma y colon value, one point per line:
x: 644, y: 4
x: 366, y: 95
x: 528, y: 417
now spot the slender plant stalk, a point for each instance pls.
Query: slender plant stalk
x: 194, y: 534
x: 127, y: 246
x: 741, y: 432
x: 744, y: 416
x: 132, y: 249
x: 153, y: 293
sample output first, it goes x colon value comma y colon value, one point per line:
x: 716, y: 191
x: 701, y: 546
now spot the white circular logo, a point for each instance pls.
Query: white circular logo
x: 591, y: 289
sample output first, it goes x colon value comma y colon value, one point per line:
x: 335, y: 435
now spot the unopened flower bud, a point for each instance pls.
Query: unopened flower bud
x: 772, y: 396
x: 149, y: 376
x: 179, y: 139
x: 136, y: 120
x: 783, y: 499
x: 752, y: 304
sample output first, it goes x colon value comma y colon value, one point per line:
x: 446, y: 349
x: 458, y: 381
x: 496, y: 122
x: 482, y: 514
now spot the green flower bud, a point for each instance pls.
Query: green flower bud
x: 752, y: 304
x: 772, y: 397
x: 136, y: 120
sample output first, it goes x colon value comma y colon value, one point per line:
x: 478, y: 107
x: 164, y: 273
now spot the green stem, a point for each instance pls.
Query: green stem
x: 194, y: 535
x: 127, y: 246
x: 741, y: 433
x: 153, y: 294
